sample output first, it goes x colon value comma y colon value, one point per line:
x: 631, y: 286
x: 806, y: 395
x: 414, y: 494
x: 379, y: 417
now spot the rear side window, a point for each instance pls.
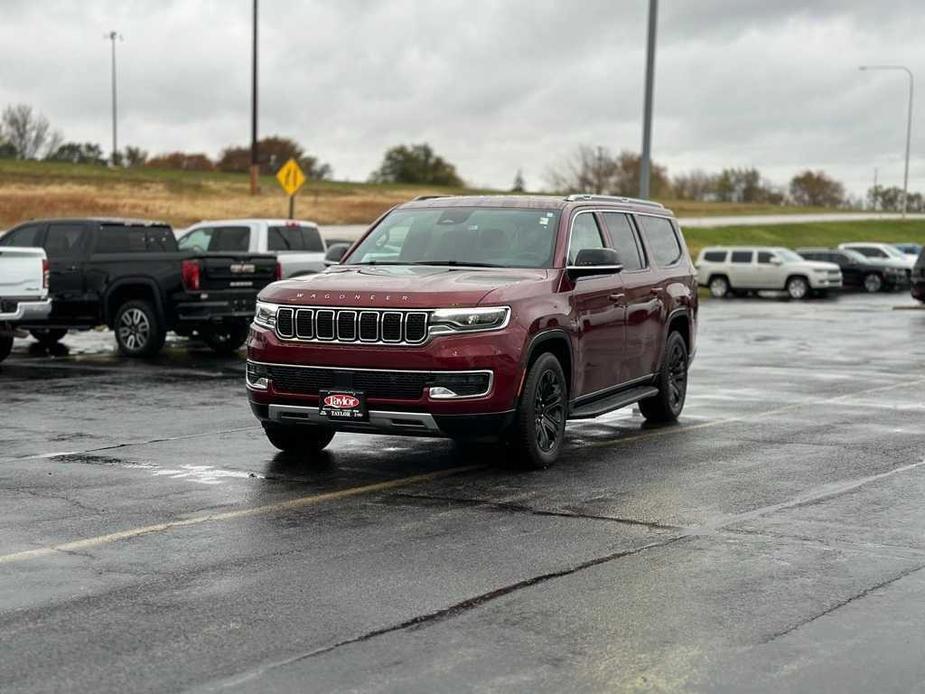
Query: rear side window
x: 196, y: 240
x: 585, y: 234
x: 661, y: 239
x: 22, y: 237
x: 871, y: 252
x: 295, y: 238
x: 234, y: 239
x: 64, y: 240
x: 742, y: 256
x: 765, y: 257
x: 715, y: 256
x: 623, y: 240
x: 112, y: 239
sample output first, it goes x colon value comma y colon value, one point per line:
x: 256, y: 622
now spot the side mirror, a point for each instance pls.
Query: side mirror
x: 335, y: 253
x: 595, y: 261
x: 776, y: 261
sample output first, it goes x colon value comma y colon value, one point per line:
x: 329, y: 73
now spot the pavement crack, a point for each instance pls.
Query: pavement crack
x: 451, y: 611
x: 847, y: 601
x: 57, y: 497
x: 521, y: 508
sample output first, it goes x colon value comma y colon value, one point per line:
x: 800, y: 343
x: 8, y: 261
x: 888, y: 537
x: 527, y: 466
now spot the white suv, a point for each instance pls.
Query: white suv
x: 744, y: 269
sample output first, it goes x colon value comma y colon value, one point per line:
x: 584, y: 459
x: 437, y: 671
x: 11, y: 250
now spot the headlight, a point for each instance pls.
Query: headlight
x: 265, y: 315
x: 468, y: 320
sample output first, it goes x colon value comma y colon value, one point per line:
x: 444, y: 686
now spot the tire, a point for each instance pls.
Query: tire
x: 139, y: 331
x: 671, y: 383
x: 48, y: 336
x: 719, y: 287
x: 798, y: 287
x: 872, y: 283
x: 226, y: 338
x: 539, y: 426
x: 298, y: 438
x: 6, y: 341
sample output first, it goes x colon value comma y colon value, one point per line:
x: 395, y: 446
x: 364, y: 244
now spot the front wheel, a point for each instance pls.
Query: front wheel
x: 797, y: 288
x: 139, y: 332
x: 225, y: 338
x: 873, y: 283
x: 298, y: 438
x: 672, y: 383
x: 539, y: 428
x: 719, y: 287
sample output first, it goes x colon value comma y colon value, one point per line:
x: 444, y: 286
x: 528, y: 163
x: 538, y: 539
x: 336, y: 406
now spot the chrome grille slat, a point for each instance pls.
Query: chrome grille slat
x: 350, y: 325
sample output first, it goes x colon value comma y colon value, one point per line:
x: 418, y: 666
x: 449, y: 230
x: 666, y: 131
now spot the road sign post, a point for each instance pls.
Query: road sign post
x: 291, y: 178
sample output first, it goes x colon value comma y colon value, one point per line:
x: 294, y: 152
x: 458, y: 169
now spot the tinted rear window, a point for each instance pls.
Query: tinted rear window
x: 295, y: 238
x: 661, y: 239
x: 134, y: 239
x: 742, y: 256
x: 25, y: 236
x: 715, y: 256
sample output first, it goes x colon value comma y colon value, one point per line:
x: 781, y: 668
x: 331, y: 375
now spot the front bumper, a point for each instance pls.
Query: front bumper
x: 825, y: 282
x: 24, y: 311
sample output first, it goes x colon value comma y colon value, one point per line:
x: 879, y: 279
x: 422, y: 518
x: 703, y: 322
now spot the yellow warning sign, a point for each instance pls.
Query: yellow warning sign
x: 290, y: 177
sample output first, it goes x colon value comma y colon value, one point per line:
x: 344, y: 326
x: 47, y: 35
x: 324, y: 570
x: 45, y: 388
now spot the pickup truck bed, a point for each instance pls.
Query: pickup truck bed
x: 23, y: 291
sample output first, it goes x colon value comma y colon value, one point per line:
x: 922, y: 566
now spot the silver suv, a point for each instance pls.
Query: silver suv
x: 742, y: 269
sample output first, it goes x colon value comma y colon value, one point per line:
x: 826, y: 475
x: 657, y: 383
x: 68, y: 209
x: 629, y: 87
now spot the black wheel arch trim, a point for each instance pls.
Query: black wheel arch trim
x: 549, y: 335
x: 109, y: 314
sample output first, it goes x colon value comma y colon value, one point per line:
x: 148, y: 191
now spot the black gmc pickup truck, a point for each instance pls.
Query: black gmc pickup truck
x: 130, y: 276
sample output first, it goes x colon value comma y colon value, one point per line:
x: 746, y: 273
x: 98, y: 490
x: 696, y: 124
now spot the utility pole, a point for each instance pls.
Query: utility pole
x: 646, y: 163
x: 255, y: 167
x: 112, y: 36
x: 908, y: 124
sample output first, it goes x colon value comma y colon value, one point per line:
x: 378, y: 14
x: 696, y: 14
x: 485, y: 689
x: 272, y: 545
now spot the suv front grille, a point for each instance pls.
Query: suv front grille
x: 349, y: 326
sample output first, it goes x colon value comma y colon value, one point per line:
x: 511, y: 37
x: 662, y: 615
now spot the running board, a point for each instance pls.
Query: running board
x: 612, y: 402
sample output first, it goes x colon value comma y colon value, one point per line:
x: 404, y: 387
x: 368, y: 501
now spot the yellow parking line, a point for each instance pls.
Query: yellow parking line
x: 90, y: 542
x: 299, y: 502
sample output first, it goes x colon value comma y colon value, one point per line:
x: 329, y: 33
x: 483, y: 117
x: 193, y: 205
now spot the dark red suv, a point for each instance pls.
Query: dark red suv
x: 481, y: 319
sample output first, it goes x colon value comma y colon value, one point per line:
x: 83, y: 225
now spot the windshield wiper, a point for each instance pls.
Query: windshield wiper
x: 452, y: 263
x: 381, y: 262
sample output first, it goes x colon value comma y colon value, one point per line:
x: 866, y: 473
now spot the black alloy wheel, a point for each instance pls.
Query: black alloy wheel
x: 671, y: 383
x: 539, y: 429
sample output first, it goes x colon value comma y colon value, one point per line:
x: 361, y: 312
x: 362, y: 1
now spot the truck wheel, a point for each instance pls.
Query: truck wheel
x: 873, y: 283
x: 225, y: 338
x: 48, y: 336
x: 671, y: 383
x: 6, y: 340
x: 139, y: 332
x: 719, y: 287
x: 539, y: 427
x: 797, y: 287
x: 298, y: 438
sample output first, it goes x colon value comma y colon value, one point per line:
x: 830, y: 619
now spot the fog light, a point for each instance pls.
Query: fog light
x: 472, y: 384
x: 257, y: 376
x: 440, y: 393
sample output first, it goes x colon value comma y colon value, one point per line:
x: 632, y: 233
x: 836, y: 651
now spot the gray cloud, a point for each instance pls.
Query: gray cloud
x: 493, y: 85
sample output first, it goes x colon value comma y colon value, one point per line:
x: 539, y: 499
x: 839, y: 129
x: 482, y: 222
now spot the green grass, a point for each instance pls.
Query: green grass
x: 827, y: 234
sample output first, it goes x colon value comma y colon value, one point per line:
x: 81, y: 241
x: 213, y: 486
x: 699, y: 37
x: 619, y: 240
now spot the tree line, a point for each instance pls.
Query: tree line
x: 27, y: 134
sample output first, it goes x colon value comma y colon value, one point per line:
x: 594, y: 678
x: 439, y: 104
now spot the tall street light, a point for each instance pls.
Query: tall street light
x: 255, y: 168
x: 645, y: 163
x: 908, y: 123
x: 113, y: 36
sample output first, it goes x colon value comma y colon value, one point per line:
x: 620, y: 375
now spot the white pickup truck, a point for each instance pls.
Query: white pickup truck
x: 23, y: 291
x: 298, y: 245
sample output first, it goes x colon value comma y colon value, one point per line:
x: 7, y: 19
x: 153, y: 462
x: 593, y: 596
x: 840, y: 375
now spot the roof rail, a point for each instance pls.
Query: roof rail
x: 612, y: 198
x: 429, y: 197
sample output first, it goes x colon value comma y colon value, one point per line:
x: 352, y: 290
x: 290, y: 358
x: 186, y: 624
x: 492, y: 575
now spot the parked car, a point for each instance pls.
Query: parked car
x: 870, y: 274
x: 491, y: 318
x: 130, y: 276
x: 740, y: 270
x: 23, y: 291
x: 885, y: 253
x: 298, y: 246
x: 911, y: 249
x: 918, y: 278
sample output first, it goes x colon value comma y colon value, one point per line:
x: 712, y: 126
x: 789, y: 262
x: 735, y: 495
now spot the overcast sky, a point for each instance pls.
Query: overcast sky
x: 493, y: 85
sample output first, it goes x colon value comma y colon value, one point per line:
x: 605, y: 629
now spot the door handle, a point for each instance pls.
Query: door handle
x: 617, y: 298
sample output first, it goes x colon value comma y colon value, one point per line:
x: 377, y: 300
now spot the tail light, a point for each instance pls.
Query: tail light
x: 190, y: 273
x: 278, y: 272
x: 44, y: 273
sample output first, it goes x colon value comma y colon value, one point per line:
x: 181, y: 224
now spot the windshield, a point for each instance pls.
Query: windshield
x: 895, y: 252
x: 788, y: 255
x: 471, y: 236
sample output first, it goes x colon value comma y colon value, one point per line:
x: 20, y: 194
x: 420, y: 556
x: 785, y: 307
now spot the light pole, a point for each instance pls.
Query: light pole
x: 112, y: 36
x: 645, y: 163
x: 908, y: 123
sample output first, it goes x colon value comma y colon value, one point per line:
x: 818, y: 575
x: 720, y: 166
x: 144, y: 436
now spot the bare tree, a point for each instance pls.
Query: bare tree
x: 29, y: 132
x: 596, y: 170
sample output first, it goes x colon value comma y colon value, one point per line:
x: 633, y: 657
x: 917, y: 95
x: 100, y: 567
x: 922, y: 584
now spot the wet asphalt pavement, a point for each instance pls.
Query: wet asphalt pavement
x: 153, y: 541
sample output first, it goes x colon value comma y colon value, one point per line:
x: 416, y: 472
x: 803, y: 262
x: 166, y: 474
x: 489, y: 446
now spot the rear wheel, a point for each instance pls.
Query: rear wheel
x: 539, y: 428
x: 719, y: 287
x: 298, y: 438
x: 797, y: 288
x: 672, y: 383
x: 48, y: 336
x: 139, y: 332
x: 225, y: 338
x: 873, y: 283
